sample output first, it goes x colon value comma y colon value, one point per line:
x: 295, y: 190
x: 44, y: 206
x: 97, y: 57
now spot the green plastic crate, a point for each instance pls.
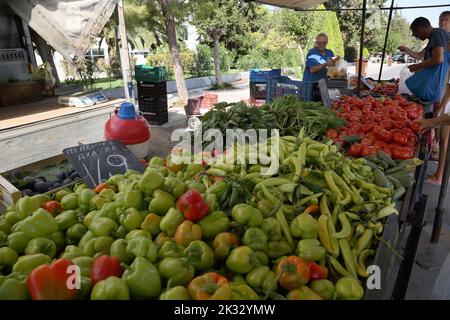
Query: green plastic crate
x: 150, y: 74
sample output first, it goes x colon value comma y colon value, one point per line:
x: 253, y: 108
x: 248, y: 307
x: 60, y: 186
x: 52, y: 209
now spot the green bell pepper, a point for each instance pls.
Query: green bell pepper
x: 137, y: 234
x: 161, y: 169
x: 103, y: 227
x: 247, y: 215
x: 179, y: 271
x: 61, y: 193
x: 150, y: 181
x: 276, y: 249
x: 75, y: 233
x: 121, y: 233
x: 255, y: 238
x: 98, y: 202
x: 66, y: 219
x: 26, y: 264
x: 17, y: 226
x: 243, y: 292
x: 59, y: 240
x: 176, y: 293
x: 174, y: 186
x: 26, y: 206
x: 171, y: 221
x: 85, y: 238
x: 142, y: 279
x: 79, y: 187
x: 161, y: 202
x: 13, y: 287
x: 192, y: 184
x: 112, y: 288
x: 241, y: 260
x: 262, y: 277
x: 71, y: 252
x: 170, y: 249
x: 214, y: 223
x: 8, y: 257
x: 86, y: 288
x: 85, y: 196
x: 12, y: 217
x: 324, y: 288
x: 41, y: 245
x: 70, y: 201
x: 115, y: 179
x: 131, y: 219
x: 200, y: 254
x: 97, y: 246
x: 266, y: 207
x: 272, y: 229
x: 119, y: 249
x: 39, y: 224
x: 85, y: 264
x: 89, y: 218
x: 5, y: 226
x: 109, y: 210
x: 18, y: 241
x: 132, y: 199
x: 305, y: 226
x: 156, y: 161
x: 303, y: 293
x: 108, y: 194
x: 3, y: 239
x: 193, y: 169
x: 348, y: 289
x: 310, y: 249
x: 151, y: 224
x: 142, y: 247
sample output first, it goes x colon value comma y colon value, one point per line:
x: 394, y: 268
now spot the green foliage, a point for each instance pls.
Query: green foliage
x: 333, y: 30
x: 203, y: 61
x: 188, y: 60
x: 350, y: 54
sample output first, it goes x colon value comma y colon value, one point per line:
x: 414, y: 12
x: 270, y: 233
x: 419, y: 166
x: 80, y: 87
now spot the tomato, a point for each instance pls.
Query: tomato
x: 380, y: 144
x: 412, y: 114
x: 383, y: 135
x: 367, y: 151
x: 415, y: 127
x: 387, y: 151
x: 332, y: 134
x: 355, y: 150
x: 399, y: 139
x: 366, y: 128
x: 386, y: 124
x: 366, y: 142
x: 407, y: 132
x: 403, y: 153
x: 353, y: 118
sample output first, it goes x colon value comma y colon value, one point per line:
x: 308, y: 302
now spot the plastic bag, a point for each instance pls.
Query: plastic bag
x: 339, y: 71
x: 44, y: 74
x: 405, y: 74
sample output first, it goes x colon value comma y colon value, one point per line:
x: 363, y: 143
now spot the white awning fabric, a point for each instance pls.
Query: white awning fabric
x: 69, y: 26
x: 293, y: 4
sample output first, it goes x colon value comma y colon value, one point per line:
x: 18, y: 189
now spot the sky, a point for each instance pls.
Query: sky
x: 432, y: 13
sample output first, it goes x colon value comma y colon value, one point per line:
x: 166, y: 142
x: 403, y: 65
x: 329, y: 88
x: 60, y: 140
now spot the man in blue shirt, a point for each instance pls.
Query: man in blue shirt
x: 317, y: 61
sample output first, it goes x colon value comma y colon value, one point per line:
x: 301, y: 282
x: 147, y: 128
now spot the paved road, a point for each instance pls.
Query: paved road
x: 388, y: 72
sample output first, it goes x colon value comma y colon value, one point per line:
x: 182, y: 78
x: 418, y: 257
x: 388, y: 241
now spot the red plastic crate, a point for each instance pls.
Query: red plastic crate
x: 209, y: 100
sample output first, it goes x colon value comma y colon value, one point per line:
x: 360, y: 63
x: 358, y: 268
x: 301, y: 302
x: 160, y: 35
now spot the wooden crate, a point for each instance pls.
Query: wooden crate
x: 10, y: 194
x: 19, y: 92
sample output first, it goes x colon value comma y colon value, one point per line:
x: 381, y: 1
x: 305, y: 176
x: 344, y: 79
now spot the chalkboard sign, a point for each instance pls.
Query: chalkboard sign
x: 97, y: 162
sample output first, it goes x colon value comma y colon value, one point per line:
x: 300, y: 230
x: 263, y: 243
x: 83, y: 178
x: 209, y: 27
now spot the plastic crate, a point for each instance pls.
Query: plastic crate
x: 150, y: 74
x: 209, y: 100
x: 148, y: 89
x: 156, y: 118
x: 258, y: 90
x: 283, y: 86
x: 261, y: 76
x: 193, y: 106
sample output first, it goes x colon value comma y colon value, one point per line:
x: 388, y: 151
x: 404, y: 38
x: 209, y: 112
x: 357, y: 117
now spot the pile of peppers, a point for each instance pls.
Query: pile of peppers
x: 210, y: 231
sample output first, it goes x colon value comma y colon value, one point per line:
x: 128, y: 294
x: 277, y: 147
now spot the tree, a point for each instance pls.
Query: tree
x: 224, y: 20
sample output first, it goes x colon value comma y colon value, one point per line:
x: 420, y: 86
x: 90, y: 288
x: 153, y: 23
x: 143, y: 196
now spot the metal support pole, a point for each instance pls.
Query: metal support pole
x: 361, y: 44
x: 440, y: 209
x: 124, y: 53
x: 388, y: 28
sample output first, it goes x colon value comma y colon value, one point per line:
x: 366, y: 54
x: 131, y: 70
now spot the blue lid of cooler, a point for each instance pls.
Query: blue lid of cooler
x: 127, y: 111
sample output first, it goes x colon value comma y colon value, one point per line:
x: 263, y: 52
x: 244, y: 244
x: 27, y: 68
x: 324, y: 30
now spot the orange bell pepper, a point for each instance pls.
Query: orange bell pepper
x: 187, y: 232
x: 293, y: 272
x: 210, y: 286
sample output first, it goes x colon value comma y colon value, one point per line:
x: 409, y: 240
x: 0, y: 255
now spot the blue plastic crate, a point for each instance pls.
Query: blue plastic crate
x: 261, y: 76
x: 283, y: 86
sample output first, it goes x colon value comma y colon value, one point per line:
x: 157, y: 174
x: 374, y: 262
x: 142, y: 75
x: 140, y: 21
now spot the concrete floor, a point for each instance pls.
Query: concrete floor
x: 430, y: 257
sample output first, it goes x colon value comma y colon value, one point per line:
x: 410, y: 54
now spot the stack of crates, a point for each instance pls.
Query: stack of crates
x: 258, y: 84
x: 152, y: 93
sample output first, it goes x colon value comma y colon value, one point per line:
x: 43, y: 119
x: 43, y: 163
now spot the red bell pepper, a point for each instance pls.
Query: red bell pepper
x: 105, y: 267
x: 49, y: 282
x: 317, y: 272
x: 192, y: 205
x: 53, y: 207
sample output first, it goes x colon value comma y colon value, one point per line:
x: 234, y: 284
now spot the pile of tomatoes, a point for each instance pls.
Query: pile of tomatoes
x: 389, y: 125
x: 386, y: 89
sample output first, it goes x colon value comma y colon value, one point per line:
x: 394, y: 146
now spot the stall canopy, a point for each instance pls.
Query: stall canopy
x: 69, y: 26
x: 293, y: 4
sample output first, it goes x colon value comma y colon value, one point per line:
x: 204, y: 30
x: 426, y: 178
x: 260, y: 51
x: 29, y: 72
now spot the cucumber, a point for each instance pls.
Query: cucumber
x: 383, y: 156
x: 372, y: 165
x: 398, y: 193
x: 394, y: 181
x: 406, y: 179
x: 352, y: 139
x: 380, y: 179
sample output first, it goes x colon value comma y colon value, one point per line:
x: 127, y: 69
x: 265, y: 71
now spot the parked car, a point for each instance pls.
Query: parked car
x: 403, y: 58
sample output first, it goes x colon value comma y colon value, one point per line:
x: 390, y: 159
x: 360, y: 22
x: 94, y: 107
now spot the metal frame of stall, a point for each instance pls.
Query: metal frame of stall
x: 413, y: 208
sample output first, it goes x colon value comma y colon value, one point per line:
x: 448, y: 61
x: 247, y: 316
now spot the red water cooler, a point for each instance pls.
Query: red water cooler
x: 129, y: 128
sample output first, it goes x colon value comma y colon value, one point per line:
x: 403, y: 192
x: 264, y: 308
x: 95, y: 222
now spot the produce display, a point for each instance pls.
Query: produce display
x: 287, y: 114
x: 211, y: 231
x: 378, y: 124
x: 385, y: 88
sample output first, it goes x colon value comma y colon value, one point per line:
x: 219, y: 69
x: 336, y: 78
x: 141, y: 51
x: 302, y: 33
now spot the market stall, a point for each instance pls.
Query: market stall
x: 226, y: 226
